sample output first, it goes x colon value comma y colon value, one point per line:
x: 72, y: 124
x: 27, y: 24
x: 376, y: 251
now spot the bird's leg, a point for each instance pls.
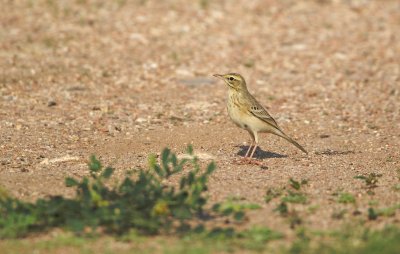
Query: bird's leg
x: 254, y: 161
x: 253, y: 142
x: 248, y: 150
x: 255, y: 148
x: 255, y: 138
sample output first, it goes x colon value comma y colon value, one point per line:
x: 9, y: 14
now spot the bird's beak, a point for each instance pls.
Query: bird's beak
x: 219, y: 76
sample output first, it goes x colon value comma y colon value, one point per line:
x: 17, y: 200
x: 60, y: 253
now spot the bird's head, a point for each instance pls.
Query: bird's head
x: 233, y: 80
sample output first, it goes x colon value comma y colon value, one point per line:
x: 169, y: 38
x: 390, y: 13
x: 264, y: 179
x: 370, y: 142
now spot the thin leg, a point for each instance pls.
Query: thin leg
x: 255, y: 148
x: 253, y: 141
x: 248, y: 151
x: 254, y: 134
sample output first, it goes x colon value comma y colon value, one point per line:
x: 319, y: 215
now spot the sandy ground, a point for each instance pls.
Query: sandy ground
x: 123, y: 79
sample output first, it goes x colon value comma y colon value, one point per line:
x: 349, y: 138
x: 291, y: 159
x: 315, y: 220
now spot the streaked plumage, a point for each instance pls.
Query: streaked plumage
x: 246, y: 112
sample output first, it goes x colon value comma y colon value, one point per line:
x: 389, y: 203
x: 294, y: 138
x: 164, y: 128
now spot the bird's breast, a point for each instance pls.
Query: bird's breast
x: 237, y: 112
x: 243, y: 118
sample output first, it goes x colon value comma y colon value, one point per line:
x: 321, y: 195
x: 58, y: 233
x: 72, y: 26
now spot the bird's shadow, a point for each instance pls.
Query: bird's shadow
x: 259, y: 153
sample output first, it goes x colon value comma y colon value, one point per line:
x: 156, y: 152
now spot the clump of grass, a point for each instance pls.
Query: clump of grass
x: 370, y: 180
x: 233, y: 206
x: 292, y: 196
x: 271, y: 194
x: 296, y: 184
x: 354, y: 239
x: 346, y: 198
x: 253, y: 238
x: 390, y: 211
x: 295, y: 197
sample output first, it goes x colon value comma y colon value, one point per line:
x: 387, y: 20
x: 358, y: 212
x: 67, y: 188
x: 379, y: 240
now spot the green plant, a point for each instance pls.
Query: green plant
x: 145, y: 201
x: 297, y: 185
x: 291, y: 196
x: 346, y: 198
x: 372, y: 214
x: 387, y: 212
x: 233, y: 207
x: 295, y: 197
x: 282, y: 209
x: 370, y: 180
x: 271, y: 194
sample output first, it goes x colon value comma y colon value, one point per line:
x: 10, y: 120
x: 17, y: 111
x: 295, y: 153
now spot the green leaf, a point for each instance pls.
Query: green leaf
x: 71, y: 182
x: 346, y: 198
x: 216, y: 207
x: 174, y: 160
x: 295, y: 184
x: 189, y: 149
x: 94, y: 164
x: 107, y: 172
x: 271, y: 194
x: 158, y: 170
x: 165, y: 159
x: 282, y: 209
x: 372, y: 215
x: 210, y: 168
x: 251, y: 206
x: 152, y: 161
x: 295, y: 197
x: 238, y: 216
x: 190, y: 178
x: 183, y: 182
x: 182, y: 213
x: 227, y: 211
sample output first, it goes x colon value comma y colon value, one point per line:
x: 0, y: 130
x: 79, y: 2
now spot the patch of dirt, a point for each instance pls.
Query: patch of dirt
x: 123, y: 79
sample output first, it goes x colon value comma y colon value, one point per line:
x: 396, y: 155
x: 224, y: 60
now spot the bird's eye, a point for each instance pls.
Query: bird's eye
x: 231, y: 78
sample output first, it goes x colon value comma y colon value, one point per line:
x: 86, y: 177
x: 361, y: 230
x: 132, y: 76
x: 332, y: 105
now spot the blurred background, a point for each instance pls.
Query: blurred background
x: 330, y: 55
x: 317, y: 53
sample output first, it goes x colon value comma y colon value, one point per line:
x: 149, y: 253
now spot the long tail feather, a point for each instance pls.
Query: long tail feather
x: 283, y: 135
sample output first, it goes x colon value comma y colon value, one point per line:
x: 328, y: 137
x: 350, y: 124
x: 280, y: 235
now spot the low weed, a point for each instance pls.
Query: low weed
x: 346, y: 198
x: 144, y: 201
x: 370, y: 180
x: 233, y: 206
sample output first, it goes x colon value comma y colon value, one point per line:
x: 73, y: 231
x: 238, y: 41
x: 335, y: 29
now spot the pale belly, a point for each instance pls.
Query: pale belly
x: 247, y: 121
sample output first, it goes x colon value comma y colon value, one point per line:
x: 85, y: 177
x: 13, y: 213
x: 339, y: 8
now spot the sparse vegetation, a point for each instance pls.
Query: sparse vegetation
x: 346, y: 198
x: 294, y: 196
x: 370, y: 180
x: 234, y: 207
x: 143, y: 201
x: 272, y: 193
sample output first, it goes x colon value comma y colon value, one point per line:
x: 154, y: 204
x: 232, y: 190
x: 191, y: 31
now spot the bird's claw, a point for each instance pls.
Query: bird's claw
x: 248, y: 161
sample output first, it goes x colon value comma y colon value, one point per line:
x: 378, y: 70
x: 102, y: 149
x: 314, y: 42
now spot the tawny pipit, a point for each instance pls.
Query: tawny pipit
x: 248, y: 114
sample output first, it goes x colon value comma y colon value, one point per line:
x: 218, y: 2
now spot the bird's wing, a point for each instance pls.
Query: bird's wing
x: 260, y: 112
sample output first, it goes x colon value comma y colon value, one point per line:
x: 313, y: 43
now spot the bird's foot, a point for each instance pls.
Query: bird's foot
x: 241, y: 161
x: 248, y: 161
x: 254, y: 162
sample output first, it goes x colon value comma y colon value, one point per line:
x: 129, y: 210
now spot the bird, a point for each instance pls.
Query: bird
x: 247, y: 113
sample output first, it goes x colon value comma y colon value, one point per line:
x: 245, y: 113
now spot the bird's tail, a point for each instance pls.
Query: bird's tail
x: 283, y: 135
